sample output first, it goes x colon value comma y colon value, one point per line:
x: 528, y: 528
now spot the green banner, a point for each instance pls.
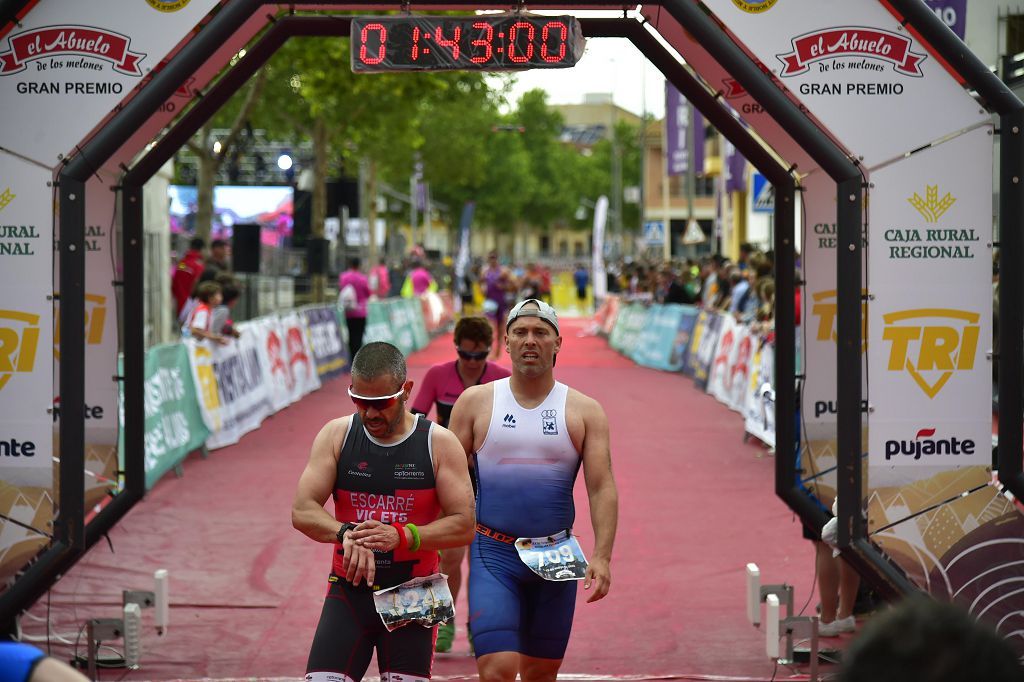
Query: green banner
x: 419, y: 327
x: 631, y: 321
x: 378, y: 322
x: 174, y: 425
x: 655, y: 346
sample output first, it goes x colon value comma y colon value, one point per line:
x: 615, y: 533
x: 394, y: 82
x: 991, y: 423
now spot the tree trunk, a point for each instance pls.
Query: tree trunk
x: 318, y: 282
x: 371, y: 212
x: 206, y: 178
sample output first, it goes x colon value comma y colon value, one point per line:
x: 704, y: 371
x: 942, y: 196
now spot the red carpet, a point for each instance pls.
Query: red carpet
x: 696, y: 504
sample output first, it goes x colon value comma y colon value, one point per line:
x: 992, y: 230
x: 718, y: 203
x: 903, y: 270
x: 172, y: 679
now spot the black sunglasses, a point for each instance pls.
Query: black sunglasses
x: 471, y: 355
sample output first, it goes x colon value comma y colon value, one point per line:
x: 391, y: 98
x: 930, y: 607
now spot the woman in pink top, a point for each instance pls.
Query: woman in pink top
x: 441, y: 387
x: 422, y: 280
x: 355, y: 316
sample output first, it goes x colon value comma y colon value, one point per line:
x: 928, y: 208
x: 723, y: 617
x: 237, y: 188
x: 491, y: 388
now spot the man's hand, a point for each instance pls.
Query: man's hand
x: 357, y: 562
x: 599, y: 574
x: 376, y: 536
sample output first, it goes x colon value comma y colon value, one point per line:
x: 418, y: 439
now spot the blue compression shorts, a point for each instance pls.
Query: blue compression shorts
x: 511, y: 608
x: 17, y: 661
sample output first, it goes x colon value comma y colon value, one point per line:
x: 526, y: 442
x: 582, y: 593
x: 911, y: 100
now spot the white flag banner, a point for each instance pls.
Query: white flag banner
x: 857, y: 70
x: 26, y: 323
x: 598, y: 274
x: 931, y: 317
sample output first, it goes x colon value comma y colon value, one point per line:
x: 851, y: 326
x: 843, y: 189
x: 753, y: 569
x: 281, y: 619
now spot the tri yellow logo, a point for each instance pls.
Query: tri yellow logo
x: 931, y: 343
x: 19, y: 341
x: 931, y: 207
x: 825, y: 308
x: 6, y: 197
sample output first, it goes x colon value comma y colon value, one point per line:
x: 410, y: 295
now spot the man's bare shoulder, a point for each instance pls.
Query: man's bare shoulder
x: 472, y: 396
x: 583, y: 405
x: 334, y: 431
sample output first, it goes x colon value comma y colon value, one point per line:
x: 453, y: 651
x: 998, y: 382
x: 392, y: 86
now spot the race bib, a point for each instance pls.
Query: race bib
x: 426, y: 601
x: 554, y: 557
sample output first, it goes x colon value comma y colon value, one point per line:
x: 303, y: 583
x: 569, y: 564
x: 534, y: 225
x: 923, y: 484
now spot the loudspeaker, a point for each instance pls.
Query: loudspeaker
x: 343, y: 192
x: 317, y: 249
x: 302, y: 213
x: 245, y: 247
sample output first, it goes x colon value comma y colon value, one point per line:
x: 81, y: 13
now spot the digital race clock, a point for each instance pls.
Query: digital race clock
x: 489, y: 42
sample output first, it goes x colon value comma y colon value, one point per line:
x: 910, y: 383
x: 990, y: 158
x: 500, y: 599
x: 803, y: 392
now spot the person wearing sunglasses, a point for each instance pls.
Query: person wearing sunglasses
x: 529, y: 435
x: 401, y: 492
x: 442, y: 386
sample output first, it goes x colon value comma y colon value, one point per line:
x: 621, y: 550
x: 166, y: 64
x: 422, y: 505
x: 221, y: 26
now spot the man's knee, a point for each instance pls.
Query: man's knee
x: 499, y: 667
x: 539, y: 669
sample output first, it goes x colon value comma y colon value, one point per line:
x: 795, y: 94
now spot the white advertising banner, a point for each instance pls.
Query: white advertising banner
x: 718, y: 373
x: 301, y: 361
x: 233, y: 395
x: 858, y: 71
x: 285, y: 354
x: 759, y: 408
x: 26, y: 323
x: 931, y: 317
x: 69, y: 63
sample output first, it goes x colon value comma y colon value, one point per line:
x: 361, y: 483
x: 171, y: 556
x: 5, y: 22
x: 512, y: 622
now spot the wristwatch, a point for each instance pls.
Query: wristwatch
x: 345, y: 527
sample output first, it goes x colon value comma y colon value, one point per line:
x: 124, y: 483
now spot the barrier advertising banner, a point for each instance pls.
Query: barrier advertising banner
x: 631, y: 321
x: 931, y: 317
x: 684, y: 335
x: 26, y: 323
x: 721, y: 359
x: 174, y: 424
x: 301, y: 363
x: 378, y: 323
x: 858, y: 71
x: 68, y: 64
x: 706, y: 343
x: 656, y: 341
x: 233, y: 394
x: 759, y: 405
x: 329, y: 352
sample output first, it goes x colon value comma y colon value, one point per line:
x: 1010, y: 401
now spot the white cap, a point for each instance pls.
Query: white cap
x: 543, y: 311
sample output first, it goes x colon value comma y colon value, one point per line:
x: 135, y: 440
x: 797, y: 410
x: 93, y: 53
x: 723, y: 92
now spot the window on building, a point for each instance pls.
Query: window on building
x: 1014, y: 34
x: 545, y: 245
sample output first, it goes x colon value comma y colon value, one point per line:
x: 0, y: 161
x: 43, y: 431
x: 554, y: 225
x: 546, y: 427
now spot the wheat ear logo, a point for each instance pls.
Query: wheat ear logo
x: 6, y: 197
x: 931, y: 207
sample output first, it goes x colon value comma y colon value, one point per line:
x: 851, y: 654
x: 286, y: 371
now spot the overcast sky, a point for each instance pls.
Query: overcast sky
x: 609, y: 65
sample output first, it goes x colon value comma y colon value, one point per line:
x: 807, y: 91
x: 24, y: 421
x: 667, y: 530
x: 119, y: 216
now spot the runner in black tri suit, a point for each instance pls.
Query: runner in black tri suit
x: 397, y: 480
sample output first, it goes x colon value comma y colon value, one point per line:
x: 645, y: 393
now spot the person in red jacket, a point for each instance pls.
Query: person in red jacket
x: 190, y: 267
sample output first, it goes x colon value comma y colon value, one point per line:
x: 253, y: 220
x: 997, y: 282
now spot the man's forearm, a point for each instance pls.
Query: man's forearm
x: 315, y: 523
x: 604, y: 516
x: 454, y: 530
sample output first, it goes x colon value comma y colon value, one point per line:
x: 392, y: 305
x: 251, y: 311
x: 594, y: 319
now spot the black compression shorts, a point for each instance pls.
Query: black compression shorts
x: 350, y: 629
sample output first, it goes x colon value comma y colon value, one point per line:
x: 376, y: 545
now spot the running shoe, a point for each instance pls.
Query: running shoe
x: 445, y: 636
x: 837, y: 627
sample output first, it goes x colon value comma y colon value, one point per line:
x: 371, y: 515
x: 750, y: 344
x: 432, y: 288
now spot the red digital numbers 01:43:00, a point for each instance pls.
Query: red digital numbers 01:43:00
x: 521, y: 43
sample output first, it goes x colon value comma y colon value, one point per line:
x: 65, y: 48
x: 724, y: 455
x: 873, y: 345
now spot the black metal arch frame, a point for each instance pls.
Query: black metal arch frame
x: 72, y: 537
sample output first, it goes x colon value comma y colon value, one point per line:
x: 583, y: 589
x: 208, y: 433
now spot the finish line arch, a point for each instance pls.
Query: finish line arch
x: 804, y: 150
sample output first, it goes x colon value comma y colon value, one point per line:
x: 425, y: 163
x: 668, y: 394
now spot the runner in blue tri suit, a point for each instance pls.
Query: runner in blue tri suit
x: 528, y: 436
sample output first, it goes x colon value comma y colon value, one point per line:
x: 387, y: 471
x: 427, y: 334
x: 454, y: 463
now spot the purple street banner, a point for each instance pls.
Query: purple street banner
x: 952, y: 12
x: 697, y: 151
x: 735, y: 164
x: 677, y: 120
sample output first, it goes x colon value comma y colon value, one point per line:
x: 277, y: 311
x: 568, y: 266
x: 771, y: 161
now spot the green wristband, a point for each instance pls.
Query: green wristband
x: 415, y: 532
